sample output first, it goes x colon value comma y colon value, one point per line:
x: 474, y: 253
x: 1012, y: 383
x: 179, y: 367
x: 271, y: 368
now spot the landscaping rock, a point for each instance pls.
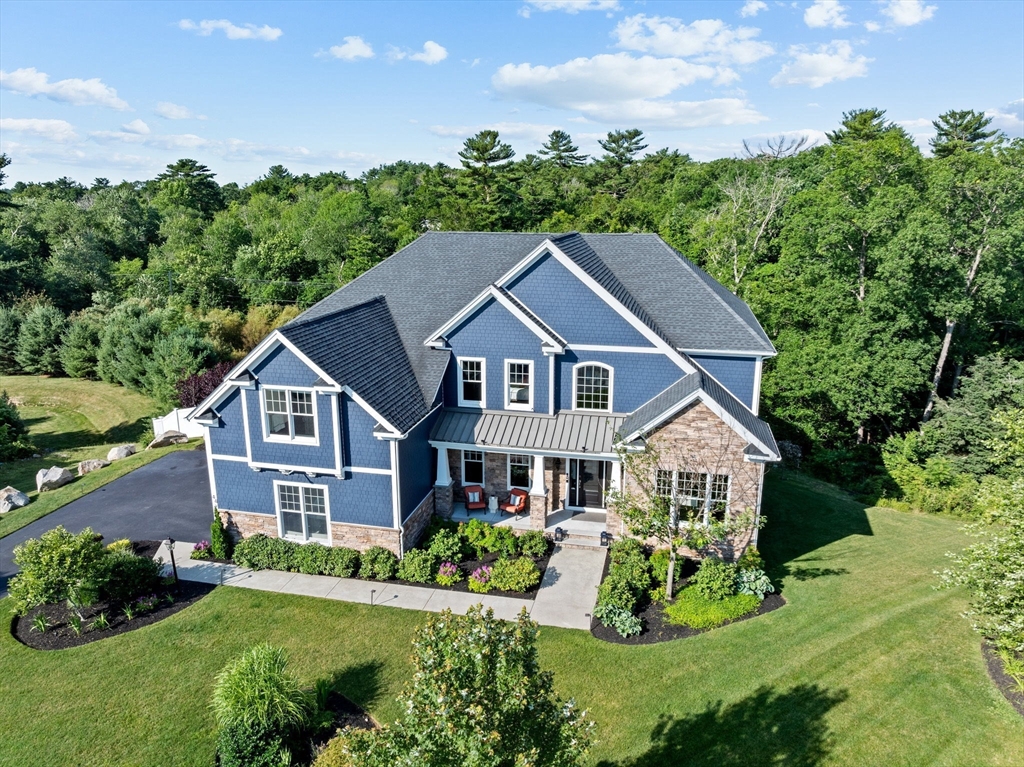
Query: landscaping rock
x: 52, y: 478
x: 169, y: 437
x: 84, y: 467
x: 119, y: 452
x: 12, y: 498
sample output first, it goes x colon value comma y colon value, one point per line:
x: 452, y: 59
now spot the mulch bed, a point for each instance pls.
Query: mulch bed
x: 346, y: 714
x: 469, y: 565
x: 1007, y: 686
x: 60, y: 635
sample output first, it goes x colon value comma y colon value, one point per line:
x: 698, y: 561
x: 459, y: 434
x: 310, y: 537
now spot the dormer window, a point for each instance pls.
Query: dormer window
x: 289, y: 415
x: 472, y: 381
x: 519, y: 384
x: 592, y: 387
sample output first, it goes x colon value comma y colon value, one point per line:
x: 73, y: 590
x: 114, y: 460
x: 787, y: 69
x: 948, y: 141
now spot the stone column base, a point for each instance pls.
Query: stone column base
x: 538, y: 511
x: 444, y: 500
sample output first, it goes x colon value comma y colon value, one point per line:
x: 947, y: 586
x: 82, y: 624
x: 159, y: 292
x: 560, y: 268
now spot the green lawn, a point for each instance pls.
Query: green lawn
x: 76, y: 419
x: 867, y: 665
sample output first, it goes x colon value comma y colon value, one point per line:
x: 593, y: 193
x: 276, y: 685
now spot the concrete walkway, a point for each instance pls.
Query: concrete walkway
x: 566, y: 596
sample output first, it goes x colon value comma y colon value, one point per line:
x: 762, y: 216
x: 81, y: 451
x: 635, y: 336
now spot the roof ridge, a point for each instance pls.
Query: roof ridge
x: 300, y: 322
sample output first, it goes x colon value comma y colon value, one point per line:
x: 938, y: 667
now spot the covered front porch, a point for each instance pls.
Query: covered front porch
x: 580, y: 524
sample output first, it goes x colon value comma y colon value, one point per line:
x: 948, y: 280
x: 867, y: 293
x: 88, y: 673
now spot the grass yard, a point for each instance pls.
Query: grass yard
x: 866, y: 665
x: 76, y: 419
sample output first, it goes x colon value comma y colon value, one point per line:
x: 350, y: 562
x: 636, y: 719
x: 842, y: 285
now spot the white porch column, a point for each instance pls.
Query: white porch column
x: 537, y: 483
x: 444, y: 477
x: 616, y: 478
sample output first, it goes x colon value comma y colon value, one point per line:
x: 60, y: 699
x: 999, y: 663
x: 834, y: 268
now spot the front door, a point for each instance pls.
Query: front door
x: 587, y: 483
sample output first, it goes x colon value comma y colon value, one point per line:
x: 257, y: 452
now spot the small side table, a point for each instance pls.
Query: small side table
x: 492, y: 504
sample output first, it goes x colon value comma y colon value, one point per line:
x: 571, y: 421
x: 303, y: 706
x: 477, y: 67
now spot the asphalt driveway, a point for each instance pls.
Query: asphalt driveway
x: 169, y: 497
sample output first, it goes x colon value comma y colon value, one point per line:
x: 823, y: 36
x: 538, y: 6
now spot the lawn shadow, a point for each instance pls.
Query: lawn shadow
x: 360, y: 683
x: 763, y: 730
x: 122, y: 433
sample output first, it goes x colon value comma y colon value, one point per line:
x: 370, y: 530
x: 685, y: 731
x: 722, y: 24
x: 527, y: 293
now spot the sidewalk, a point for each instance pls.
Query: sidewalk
x: 565, y: 599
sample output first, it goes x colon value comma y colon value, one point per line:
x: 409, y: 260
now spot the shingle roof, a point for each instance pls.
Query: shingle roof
x: 564, y: 432
x: 433, y: 278
x: 360, y: 347
x: 533, y: 317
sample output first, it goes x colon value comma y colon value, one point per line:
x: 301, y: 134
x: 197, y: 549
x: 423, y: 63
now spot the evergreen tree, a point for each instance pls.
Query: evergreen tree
x: 10, y: 325
x: 864, y: 125
x: 176, y: 356
x: 622, y: 146
x: 957, y: 131
x: 560, y: 150
x: 189, y: 184
x: 81, y: 346
x: 39, y: 340
x: 485, y: 150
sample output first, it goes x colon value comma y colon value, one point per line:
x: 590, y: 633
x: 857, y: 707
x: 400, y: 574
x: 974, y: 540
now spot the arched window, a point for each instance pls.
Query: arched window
x: 592, y: 387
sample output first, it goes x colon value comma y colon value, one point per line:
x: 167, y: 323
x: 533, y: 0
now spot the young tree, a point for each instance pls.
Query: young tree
x: 81, y: 345
x: 10, y: 325
x: 478, y: 697
x: 961, y: 131
x: 560, y: 150
x: 622, y: 146
x: 39, y: 340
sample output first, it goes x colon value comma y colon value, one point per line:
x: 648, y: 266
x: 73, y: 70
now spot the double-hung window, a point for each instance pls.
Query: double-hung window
x: 303, y: 512
x: 519, y: 471
x: 695, y: 490
x: 472, y: 467
x: 290, y: 415
x: 472, y: 382
x: 519, y: 384
x: 592, y: 387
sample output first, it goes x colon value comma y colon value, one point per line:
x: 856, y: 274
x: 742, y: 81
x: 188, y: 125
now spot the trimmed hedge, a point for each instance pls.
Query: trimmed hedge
x: 519, y: 574
x: 260, y: 552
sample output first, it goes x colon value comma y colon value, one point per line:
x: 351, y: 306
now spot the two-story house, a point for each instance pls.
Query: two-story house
x: 499, y: 360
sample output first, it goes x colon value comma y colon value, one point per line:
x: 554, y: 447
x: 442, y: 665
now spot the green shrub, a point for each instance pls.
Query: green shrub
x: 625, y: 548
x: 220, y: 542
x: 519, y: 574
x: 475, y: 533
x: 635, y: 570
x: 311, y: 559
x: 445, y: 546
x: 261, y: 552
x: 53, y: 566
x: 696, y: 611
x: 378, y: 564
x: 448, y: 574
x: 629, y: 576
x: 623, y: 621
x: 659, y: 567
x: 501, y: 540
x: 417, y: 566
x: 14, y: 441
x: 480, y: 580
x: 616, y: 591
x: 533, y: 543
x: 80, y: 346
x: 123, y: 576
x: 753, y: 582
x: 248, y: 745
x: 750, y: 560
x: 342, y: 562
x: 715, y: 579
x: 120, y: 545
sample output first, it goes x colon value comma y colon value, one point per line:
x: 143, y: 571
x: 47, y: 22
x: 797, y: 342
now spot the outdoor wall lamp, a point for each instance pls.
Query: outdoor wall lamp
x: 559, y: 535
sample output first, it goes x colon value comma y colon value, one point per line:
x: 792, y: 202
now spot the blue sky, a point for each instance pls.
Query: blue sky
x: 121, y: 89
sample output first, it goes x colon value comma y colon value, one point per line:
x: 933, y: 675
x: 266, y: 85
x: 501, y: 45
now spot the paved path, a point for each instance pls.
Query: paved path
x: 169, y: 497
x: 567, y: 578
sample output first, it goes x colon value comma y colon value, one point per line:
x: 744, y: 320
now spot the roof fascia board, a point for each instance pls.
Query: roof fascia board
x: 728, y: 353
x: 491, y: 292
x: 391, y: 430
x: 581, y: 274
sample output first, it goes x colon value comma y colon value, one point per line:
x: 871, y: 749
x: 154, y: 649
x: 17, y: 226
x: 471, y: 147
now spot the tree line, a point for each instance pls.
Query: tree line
x: 886, y: 279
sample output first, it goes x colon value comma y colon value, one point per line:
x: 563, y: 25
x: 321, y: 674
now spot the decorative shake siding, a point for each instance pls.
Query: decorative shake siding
x: 229, y: 439
x: 734, y: 373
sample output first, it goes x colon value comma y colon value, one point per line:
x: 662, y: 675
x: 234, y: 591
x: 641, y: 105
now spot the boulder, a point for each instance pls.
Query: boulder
x: 11, y: 498
x: 169, y: 437
x: 52, y: 478
x: 119, y: 452
x: 84, y: 467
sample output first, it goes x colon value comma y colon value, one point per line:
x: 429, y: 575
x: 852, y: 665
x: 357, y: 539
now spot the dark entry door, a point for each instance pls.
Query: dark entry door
x: 586, y: 483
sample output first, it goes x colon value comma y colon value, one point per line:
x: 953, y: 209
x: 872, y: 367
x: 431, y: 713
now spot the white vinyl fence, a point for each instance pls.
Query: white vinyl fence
x: 175, y: 420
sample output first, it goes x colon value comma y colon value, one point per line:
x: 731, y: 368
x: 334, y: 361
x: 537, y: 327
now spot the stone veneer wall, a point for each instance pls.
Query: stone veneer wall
x: 698, y: 440
x: 418, y: 521
x: 242, y: 524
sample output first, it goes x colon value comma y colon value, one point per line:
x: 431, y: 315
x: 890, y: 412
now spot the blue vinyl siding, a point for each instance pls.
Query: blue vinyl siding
x: 571, y: 308
x: 362, y: 499
x: 495, y: 334
x: 360, y: 447
x: 288, y: 453
x: 229, y: 437
x: 417, y: 465
x: 282, y: 368
x: 734, y: 373
x: 637, y: 377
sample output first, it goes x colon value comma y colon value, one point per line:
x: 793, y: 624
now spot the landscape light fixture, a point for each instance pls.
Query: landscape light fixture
x: 559, y: 535
x: 605, y: 538
x: 174, y: 567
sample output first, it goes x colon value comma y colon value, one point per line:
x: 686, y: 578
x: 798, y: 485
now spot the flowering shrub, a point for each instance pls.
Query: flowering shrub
x: 146, y: 604
x: 448, y: 574
x: 480, y: 580
x: 201, y: 550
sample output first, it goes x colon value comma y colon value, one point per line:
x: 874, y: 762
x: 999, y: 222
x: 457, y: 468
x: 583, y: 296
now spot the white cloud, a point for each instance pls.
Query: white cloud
x: 706, y: 39
x: 30, y: 82
x: 171, y: 111
x: 872, y: 26
x: 59, y: 131
x: 907, y: 13
x: 136, y: 126
x: 156, y: 141
x: 826, y: 13
x: 432, y: 53
x: 568, y: 6
x: 537, y: 133
x: 1010, y: 120
x: 207, y: 27
x: 830, y: 62
x: 752, y: 8
x: 813, y: 136
x: 354, y: 48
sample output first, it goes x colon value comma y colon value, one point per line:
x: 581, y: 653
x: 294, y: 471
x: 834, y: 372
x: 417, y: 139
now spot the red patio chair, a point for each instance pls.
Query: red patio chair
x: 475, y: 492
x: 516, y: 503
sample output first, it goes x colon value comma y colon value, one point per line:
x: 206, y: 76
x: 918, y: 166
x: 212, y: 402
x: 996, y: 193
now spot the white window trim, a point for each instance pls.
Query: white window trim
x: 516, y: 405
x: 482, y: 404
x: 293, y: 440
x: 611, y: 387
x: 327, y: 509
x: 483, y: 470
x: 708, y: 482
x: 508, y: 472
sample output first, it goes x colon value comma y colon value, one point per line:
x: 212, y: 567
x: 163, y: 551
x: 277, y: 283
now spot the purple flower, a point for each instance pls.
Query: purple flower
x: 482, y: 574
x: 201, y: 546
x: 447, y: 569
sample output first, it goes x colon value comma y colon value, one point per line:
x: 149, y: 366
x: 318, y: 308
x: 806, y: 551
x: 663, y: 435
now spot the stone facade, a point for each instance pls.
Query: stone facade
x: 444, y: 500
x: 242, y: 524
x: 417, y: 522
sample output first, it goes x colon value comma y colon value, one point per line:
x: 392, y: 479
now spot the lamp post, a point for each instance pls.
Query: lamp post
x: 174, y: 567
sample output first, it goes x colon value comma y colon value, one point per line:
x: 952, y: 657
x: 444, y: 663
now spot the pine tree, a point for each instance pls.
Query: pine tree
x: 560, y: 150
x: 864, y: 125
x: 961, y: 131
x: 485, y: 150
x: 622, y: 146
x: 190, y: 184
x: 39, y: 340
x: 10, y: 325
